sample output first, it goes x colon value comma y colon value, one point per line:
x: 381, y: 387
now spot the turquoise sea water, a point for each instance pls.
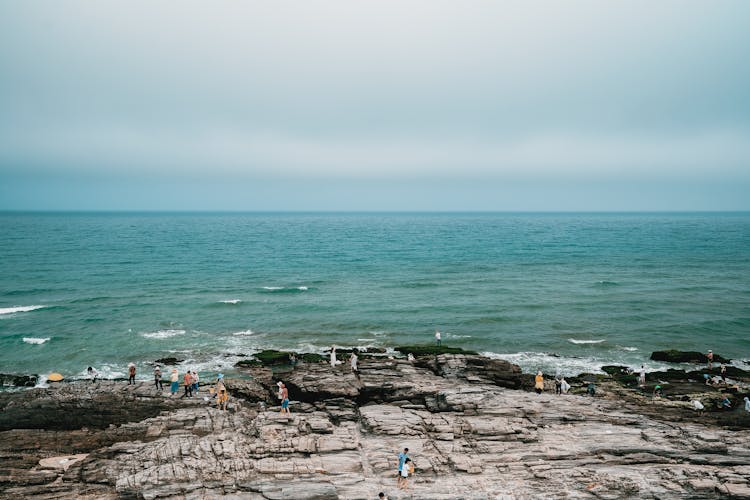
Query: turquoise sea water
x: 551, y: 291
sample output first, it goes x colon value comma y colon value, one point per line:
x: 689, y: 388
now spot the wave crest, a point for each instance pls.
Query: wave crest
x: 11, y: 310
x: 578, y: 341
x: 163, y: 334
x: 36, y: 340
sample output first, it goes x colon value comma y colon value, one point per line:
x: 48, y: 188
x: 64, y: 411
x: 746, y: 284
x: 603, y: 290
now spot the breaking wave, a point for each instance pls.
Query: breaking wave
x: 17, y: 309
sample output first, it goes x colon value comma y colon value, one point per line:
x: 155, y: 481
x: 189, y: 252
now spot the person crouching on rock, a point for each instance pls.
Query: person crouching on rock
x: 539, y: 382
x: 92, y: 373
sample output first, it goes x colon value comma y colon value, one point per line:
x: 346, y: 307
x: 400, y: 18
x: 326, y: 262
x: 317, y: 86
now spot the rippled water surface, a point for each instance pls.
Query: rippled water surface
x: 555, y: 291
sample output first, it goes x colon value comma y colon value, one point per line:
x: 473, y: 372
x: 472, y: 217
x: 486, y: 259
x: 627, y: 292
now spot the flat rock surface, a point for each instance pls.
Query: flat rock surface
x: 469, y: 437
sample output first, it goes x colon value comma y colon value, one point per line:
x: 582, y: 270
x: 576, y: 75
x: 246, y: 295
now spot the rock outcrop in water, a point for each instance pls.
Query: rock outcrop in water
x: 471, y: 433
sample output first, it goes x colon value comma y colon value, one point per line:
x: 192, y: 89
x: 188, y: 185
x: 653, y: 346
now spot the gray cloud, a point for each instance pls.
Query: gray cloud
x: 330, y: 90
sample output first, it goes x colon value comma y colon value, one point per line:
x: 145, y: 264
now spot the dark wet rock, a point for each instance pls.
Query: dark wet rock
x: 169, y: 361
x: 673, y: 356
x: 18, y: 380
x: 273, y: 357
x: 430, y: 350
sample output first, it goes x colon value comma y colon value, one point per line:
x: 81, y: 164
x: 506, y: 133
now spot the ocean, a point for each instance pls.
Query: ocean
x: 559, y: 292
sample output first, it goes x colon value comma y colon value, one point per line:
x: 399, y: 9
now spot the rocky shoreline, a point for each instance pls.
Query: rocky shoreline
x: 473, y: 426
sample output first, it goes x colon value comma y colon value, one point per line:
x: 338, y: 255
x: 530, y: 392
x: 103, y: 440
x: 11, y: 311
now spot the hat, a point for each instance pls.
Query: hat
x: 710, y: 350
x: 174, y: 369
x: 279, y: 383
x: 221, y: 375
x: 657, y: 387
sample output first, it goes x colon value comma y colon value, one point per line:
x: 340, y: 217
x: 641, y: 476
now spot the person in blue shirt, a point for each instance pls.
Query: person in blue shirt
x: 401, y: 460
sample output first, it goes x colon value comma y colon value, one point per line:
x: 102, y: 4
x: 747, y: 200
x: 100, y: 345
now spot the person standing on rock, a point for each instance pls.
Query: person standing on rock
x: 642, y: 377
x: 157, y: 379
x: 187, y: 381
x: 334, y: 362
x: 175, y: 382
x: 539, y: 382
x: 710, y: 357
x: 405, y: 474
x: 92, y: 373
x: 131, y: 374
x: 558, y: 384
x: 195, y: 382
x: 402, y: 458
x: 723, y: 373
x: 747, y: 404
x: 353, y: 361
x: 438, y: 338
x: 284, y: 400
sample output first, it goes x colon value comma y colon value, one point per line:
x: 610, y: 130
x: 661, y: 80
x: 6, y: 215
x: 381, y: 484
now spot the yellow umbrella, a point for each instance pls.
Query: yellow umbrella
x: 55, y: 377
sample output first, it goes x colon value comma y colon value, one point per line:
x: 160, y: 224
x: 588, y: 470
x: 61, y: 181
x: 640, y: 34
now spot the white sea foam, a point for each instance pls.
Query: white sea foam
x: 163, y: 334
x: 273, y: 288
x: 530, y: 362
x: 17, y: 309
x: 42, y: 381
x: 35, y: 340
x: 577, y: 341
x: 243, y: 333
x: 626, y: 348
x: 303, y: 288
x: 106, y: 371
x: 230, y: 301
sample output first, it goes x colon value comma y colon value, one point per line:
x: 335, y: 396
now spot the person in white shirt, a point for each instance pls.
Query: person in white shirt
x: 642, y: 378
x: 437, y: 337
x: 353, y: 360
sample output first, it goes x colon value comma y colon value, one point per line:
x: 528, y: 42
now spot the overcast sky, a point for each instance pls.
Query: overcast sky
x: 375, y: 105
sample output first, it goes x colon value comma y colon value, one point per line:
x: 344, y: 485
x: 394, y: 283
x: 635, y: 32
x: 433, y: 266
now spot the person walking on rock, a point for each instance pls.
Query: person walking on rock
x: 558, y: 384
x: 131, y: 374
x: 539, y: 382
x: 642, y: 377
x: 157, y: 379
x: 175, y: 382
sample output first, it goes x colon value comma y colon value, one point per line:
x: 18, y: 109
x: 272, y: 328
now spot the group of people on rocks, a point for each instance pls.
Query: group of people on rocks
x: 190, y: 382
